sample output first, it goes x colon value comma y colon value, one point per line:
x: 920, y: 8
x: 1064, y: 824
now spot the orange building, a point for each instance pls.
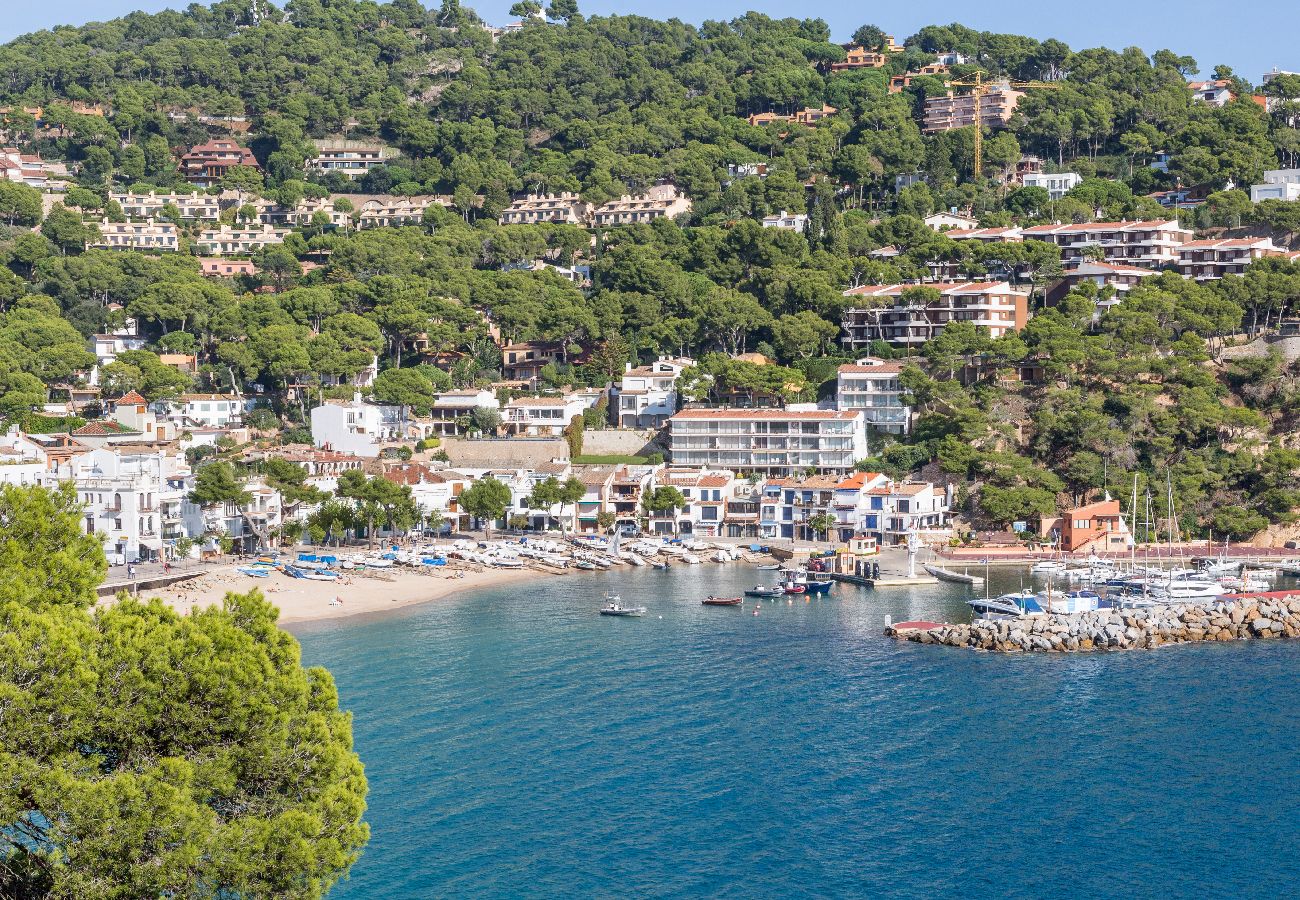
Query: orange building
x: 1095, y: 526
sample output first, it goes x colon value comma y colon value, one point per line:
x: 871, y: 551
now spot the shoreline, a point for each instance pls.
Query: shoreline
x: 301, y: 601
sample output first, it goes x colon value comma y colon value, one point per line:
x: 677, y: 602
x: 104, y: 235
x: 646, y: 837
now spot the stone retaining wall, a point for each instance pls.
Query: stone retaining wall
x: 1130, y: 629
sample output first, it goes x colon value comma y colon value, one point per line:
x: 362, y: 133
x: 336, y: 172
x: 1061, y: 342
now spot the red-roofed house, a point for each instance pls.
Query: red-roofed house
x: 1151, y: 244
x: 206, y: 164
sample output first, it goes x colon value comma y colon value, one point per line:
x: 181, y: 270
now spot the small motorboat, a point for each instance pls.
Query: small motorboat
x: 614, y: 607
x: 584, y: 564
x: 764, y: 590
x: 659, y: 563
x: 255, y: 571
x: 721, y: 601
x: 770, y: 567
x: 818, y: 586
x: 794, y: 587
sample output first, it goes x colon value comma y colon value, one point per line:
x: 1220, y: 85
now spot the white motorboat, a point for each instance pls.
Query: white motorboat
x: 1175, y: 590
x: 1047, y: 567
x: 1002, y: 607
x: 614, y: 607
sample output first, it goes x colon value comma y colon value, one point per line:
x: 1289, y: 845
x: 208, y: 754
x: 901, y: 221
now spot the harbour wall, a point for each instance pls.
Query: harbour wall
x: 1130, y: 629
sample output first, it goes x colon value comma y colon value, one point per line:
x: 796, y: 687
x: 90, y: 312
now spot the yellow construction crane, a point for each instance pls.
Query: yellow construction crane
x: 979, y: 87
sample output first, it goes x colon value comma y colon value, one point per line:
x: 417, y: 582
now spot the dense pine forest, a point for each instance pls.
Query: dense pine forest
x: 607, y: 106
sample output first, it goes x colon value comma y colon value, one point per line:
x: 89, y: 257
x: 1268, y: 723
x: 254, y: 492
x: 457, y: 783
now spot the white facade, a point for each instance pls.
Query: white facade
x: 1057, y: 186
x: 355, y: 426
x: 205, y: 410
x: 201, y: 207
x: 992, y: 305
x: 543, y: 416
x: 1279, y: 184
x: 707, y: 493
x: 657, y: 202
x: 942, y: 221
x: 531, y: 209
x: 125, y: 492
x: 871, y: 386
x: 771, y: 441
x: 647, y: 395
x: 864, y: 503
x: 796, y: 222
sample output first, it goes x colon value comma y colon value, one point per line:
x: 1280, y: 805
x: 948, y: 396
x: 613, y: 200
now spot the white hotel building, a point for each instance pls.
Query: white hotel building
x: 770, y: 441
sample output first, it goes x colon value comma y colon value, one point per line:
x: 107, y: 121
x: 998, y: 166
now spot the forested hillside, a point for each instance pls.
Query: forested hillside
x: 605, y: 106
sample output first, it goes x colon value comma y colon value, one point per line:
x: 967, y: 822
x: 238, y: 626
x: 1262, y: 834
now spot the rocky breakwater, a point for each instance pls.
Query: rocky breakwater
x: 1113, y: 629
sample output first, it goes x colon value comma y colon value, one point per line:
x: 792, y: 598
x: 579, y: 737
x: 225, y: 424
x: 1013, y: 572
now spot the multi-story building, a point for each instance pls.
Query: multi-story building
x: 565, y: 208
x: 871, y: 386
x: 387, y: 210
x: 542, y: 416
x: 450, y: 408
x: 1121, y: 279
x: 708, y: 493
x: 861, y: 58
x: 1151, y: 244
x: 24, y: 168
x: 1096, y: 527
x: 23, y: 462
x: 150, y: 235
x: 992, y: 305
x: 206, y: 164
x: 349, y: 158
x: 1057, y: 185
x: 436, y: 492
x: 796, y: 222
x: 1002, y: 235
x: 958, y: 110
x: 944, y: 221
x: 1279, y: 184
x: 354, y: 426
x: 229, y: 240
x: 657, y: 202
x: 123, y: 489
x: 525, y: 361
x: 1211, y: 260
x: 647, y: 395
x: 200, y: 207
x: 304, y: 213
x: 770, y: 441
x: 864, y: 504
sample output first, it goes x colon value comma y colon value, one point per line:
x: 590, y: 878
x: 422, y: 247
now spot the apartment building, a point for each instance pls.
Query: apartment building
x: 1211, y: 260
x: 304, y: 213
x: 127, y: 492
x: 1150, y: 244
x: 944, y: 221
x: 1121, y: 279
x: 863, y: 504
x: 708, y: 493
x: 386, y: 211
x: 1002, y: 235
x: 958, y: 110
x: 1279, y: 184
x: 1057, y: 185
x: 200, y: 207
x: 239, y: 240
x: 436, y: 492
x: 871, y: 387
x: 563, y: 208
x: 24, y: 168
x: 770, y: 441
x: 647, y: 395
x: 351, y: 159
x: 861, y: 58
x: 641, y: 209
x: 992, y: 305
x: 525, y: 361
x: 206, y: 164
x: 22, y: 462
x: 796, y: 222
x: 149, y: 235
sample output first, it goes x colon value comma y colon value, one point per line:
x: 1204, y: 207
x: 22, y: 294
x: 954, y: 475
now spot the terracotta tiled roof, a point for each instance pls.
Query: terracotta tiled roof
x: 889, y: 368
x: 131, y: 397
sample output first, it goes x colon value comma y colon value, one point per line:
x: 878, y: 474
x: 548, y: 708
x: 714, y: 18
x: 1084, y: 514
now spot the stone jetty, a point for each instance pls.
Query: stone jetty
x: 1230, y: 619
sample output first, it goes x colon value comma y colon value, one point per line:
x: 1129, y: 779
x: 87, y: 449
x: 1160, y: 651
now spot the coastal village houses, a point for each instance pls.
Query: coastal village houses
x: 647, y: 396
x: 148, y: 235
x: 871, y: 386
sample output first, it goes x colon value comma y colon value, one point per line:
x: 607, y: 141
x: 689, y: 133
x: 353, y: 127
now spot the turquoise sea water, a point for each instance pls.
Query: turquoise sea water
x: 518, y: 744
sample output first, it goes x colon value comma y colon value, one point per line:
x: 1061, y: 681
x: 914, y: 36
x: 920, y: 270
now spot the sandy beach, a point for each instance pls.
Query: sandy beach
x: 300, y: 600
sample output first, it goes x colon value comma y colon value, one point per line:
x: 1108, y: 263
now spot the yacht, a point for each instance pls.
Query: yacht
x: 1003, y: 607
x: 1065, y: 603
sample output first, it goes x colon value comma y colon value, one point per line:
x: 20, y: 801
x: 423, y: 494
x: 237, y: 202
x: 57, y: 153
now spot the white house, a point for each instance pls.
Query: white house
x: 355, y: 426
x: 535, y: 416
x: 944, y: 220
x: 450, y: 408
x: 1057, y: 185
x: 1279, y: 184
x: 205, y: 410
x: 796, y: 222
x: 864, y: 503
x: 123, y: 489
x: 707, y: 493
x: 647, y: 395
